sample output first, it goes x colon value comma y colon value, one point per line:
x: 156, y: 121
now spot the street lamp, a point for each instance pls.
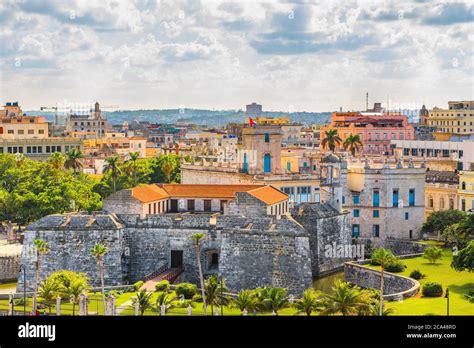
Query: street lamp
x: 446, y: 296
x: 23, y: 269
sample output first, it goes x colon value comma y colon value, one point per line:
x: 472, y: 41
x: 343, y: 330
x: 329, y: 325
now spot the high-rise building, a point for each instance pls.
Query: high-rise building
x: 253, y: 110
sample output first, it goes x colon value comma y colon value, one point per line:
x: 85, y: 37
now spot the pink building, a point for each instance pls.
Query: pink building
x: 376, y: 130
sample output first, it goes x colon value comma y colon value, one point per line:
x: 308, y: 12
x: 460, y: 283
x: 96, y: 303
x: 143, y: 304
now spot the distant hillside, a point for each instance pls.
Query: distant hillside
x: 196, y: 116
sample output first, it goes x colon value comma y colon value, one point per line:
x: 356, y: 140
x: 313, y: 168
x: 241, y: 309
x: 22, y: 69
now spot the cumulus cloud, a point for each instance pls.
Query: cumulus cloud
x: 310, y: 55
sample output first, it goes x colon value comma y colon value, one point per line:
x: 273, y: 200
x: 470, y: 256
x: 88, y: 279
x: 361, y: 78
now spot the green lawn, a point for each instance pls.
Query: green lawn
x: 95, y: 304
x: 459, y: 283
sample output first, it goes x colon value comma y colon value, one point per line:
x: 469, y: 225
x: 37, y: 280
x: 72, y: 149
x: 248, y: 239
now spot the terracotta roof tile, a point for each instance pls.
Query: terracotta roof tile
x: 206, y: 191
x: 149, y: 193
x: 269, y: 195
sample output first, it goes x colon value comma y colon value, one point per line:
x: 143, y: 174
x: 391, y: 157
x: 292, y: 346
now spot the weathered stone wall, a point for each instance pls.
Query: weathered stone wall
x: 248, y: 205
x: 253, y: 251
x: 261, y: 258
x: 326, y: 228
x: 397, y: 246
x: 122, y: 202
x: 395, y: 286
x: 70, y: 249
x: 9, y: 267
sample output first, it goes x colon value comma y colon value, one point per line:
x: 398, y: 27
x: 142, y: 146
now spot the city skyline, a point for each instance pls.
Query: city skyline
x: 216, y: 55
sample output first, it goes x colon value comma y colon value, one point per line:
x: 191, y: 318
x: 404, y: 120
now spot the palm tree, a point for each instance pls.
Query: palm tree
x: 382, y: 257
x: 214, y: 289
x: 57, y: 160
x: 143, y: 299
x: 352, y: 143
x: 272, y: 299
x: 111, y: 165
x: 331, y: 139
x: 134, y: 156
x: 167, y: 165
x: 245, y: 300
x: 308, y: 303
x: 98, y: 251
x: 74, y: 291
x: 41, y: 247
x: 48, y: 291
x: 164, y: 299
x: 375, y: 310
x: 74, y: 160
x: 345, y: 300
x: 197, y: 237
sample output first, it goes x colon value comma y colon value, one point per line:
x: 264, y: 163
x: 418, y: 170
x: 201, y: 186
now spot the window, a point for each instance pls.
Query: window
x: 267, y: 163
x: 356, y: 212
x: 288, y: 166
x: 356, y: 199
x: 407, y: 215
x: 406, y: 152
x: 21, y: 131
x: 463, y: 205
x: 411, y: 198
x: 375, y: 230
x: 355, y: 231
x: 463, y: 185
x: 411, y: 234
x: 267, y: 137
x: 246, y: 164
x: 375, y: 214
x: 191, y: 205
x: 343, y: 200
x: 207, y: 205
x: 395, y: 198
x: 10, y: 131
x: 31, y: 131
x: 376, y: 198
x: 48, y: 149
x: 41, y: 131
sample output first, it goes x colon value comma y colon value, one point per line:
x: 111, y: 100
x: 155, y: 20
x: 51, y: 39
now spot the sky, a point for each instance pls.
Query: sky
x: 287, y: 56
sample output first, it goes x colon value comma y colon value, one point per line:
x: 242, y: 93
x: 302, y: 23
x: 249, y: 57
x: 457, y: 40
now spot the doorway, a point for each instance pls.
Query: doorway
x: 176, y: 258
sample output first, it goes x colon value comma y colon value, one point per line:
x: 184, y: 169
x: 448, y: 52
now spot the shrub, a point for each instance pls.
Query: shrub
x: 416, y: 274
x: 19, y: 301
x: 163, y: 285
x: 374, y: 262
x: 432, y: 289
x: 433, y: 254
x: 188, y: 290
x: 138, y: 285
x: 395, y: 267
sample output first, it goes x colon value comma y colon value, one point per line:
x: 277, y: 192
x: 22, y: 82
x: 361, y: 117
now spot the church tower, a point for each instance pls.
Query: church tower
x: 333, y: 177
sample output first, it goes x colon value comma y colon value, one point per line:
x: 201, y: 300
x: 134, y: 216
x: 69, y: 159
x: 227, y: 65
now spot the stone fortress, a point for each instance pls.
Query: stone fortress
x: 255, y: 239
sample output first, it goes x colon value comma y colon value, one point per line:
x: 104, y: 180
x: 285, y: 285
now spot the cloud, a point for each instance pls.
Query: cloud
x: 224, y: 54
x: 451, y: 13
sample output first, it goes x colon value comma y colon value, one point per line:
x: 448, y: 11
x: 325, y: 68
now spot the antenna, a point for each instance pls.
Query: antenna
x: 367, y: 101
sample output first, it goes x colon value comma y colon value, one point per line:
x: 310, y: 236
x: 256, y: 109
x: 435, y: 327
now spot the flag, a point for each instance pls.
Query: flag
x: 252, y: 123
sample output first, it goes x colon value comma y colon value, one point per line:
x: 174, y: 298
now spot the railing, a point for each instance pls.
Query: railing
x: 156, y: 273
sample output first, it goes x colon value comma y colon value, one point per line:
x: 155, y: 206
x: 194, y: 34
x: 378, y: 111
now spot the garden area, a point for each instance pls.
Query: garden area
x: 460, y: 284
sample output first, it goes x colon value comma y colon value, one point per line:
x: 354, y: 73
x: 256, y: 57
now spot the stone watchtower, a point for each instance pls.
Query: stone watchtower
x: 261, y: 150
x: 333, y: 178
x: 97, y: 111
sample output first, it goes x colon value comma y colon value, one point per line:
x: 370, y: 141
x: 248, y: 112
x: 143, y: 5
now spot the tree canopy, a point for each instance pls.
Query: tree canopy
x: 32, y: 189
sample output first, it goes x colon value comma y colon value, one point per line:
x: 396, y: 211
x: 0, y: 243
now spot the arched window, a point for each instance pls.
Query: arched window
x: 267, y: 163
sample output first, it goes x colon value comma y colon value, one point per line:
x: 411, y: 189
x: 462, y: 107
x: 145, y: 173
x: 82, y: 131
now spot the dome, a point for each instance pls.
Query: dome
x: 331, y: 158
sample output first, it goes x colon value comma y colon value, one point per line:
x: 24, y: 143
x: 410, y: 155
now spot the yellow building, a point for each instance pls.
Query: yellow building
x: 269, y: 120
x: 457, y: 120
x: 466, y: 190
x: 441, y: 189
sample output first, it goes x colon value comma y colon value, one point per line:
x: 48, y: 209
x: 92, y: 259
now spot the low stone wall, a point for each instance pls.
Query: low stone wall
x: 397, y: 246
x: 9, y: 268
x: 396, y: 287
